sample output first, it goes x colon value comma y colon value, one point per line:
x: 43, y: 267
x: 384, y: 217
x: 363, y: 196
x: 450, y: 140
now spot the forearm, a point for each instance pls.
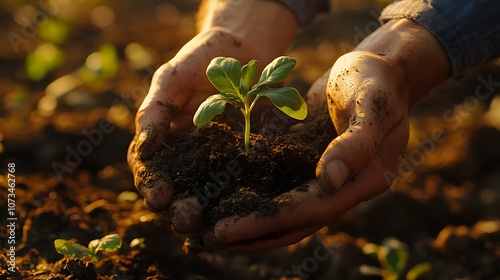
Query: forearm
x: 413, y: 51
x: 264, y: 28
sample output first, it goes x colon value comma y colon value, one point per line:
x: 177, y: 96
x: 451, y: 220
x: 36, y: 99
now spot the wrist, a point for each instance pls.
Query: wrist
x: 413, y: 51
x: 264, y: 28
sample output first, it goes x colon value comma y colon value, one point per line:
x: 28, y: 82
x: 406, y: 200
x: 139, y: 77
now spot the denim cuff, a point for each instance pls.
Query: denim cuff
x: 468, y: 30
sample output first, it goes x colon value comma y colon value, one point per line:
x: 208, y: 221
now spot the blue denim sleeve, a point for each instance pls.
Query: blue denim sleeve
x: 468, y: 30
x: 306, y: 10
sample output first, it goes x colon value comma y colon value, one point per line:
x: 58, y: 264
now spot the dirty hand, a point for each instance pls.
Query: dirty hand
x: 370, y: 113
x: 177, y: 89
x: 368, y: 93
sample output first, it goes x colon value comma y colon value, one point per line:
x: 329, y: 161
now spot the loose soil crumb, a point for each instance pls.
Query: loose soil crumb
x: 210, y: 162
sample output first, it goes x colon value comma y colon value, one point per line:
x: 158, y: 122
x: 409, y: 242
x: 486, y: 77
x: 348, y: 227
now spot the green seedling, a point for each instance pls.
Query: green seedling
x: 235, y: 86
x: 393, y: 256
x: 109, y: 243
x: 138, y: 243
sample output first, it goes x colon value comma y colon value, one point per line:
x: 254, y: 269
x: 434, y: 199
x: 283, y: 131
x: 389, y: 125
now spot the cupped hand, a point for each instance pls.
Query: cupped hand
x: 177, y: 89
x: 367, y: 100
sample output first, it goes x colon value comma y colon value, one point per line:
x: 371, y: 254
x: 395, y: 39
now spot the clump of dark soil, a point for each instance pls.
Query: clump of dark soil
x: 210, y: 162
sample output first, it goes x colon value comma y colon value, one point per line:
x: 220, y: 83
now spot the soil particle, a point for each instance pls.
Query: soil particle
x: 80, y: 269
x: 236, y: 42
x: 379, y: 103
x: 210, y: 163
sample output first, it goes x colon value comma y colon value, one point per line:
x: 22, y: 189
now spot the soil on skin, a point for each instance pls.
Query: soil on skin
x: 211, y: 163
x: 446, y: 211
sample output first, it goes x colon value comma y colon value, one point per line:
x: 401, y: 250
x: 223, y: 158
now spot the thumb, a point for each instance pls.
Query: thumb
x: 152, y: 124
x: 155, y: 114
x: 350, y: 152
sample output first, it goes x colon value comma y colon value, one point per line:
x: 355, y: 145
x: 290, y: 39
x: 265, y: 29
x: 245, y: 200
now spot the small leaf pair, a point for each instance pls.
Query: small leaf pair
x: 235, y: 86
x: 109, y: 243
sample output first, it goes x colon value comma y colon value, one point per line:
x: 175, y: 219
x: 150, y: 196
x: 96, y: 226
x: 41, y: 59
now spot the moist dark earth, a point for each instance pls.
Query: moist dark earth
x: 72, y: 180
x: 211, y: 163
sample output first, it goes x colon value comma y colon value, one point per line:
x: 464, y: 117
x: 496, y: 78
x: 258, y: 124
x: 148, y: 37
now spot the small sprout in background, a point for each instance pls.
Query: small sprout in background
x: 100, y: 66
x: 54, y: 30
x: 418, y: 270
x: 393, y: 258
x: 44, y: 59
x: 138, y: 56
x: 127, y: 196
x: 235, y: 85
x: 138, y: 243
x: 109, y: 243
x: 75, y: 250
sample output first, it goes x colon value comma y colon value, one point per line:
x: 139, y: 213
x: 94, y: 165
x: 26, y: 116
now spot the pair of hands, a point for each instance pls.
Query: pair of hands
x: 367, y: 97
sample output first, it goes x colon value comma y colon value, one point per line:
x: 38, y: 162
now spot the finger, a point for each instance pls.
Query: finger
x: 355, y: 147
x: 153, y: 118
x: 348, y: 154
x: 304, y: 212
x: 295, y: 209
x: 152, y: 125
x: 316, y: 98
x: 154, y: 185
x: 301, y: 216
x: 374, y: 179
x: 363, y: 110
x: 210, y: 242
x: 186, y: 214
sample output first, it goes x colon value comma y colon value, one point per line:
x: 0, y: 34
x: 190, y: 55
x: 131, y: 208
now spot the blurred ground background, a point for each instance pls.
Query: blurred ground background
x: 67, y: 65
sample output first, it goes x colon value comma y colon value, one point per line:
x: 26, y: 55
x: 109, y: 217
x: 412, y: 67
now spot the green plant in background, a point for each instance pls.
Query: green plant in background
x: 48, y: 56
x: 235, y: 85
x: 109, y: 243
x: 100, y: 66
x: 44, y: 59
x: 393, y: 256
x: 138, y: 243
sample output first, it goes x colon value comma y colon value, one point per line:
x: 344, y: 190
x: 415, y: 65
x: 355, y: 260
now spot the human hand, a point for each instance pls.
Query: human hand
x: 177, y: 89
x: 369, y: 109
x: 240, y: 30
x: 368, y: 93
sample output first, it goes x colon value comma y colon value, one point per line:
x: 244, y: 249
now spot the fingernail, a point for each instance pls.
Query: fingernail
x: 337, y: 172
x: 158, y: 195
x: 186, y: 215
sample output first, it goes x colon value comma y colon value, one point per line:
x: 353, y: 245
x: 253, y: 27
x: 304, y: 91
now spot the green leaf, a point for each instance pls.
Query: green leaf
x: 249, y: 73
x: 225, y: 74
x: 277, y: 70
x: 138, y: 243
x: 256, y: 90
x: 371, y: 248
x: 288, y: 100
x: 54, y: 30
x: 46, y: 58
x: 93, y: 246
x: 212, y: 106
x: 110, y: 63
x: 75, y: 250
x: 418, y: 270
x: 393, y: 256
x: 109, y: 243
